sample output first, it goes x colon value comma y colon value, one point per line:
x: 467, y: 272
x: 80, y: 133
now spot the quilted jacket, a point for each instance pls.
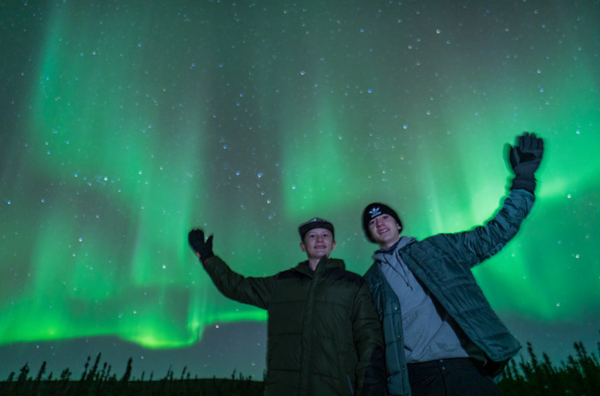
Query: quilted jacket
x: 324, y: 336
x: 443, y: 264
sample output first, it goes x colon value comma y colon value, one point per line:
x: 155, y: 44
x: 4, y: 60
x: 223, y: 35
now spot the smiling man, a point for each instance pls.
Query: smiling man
x: 324, y: 336
x: 317, y: 242
x: 441, y: 335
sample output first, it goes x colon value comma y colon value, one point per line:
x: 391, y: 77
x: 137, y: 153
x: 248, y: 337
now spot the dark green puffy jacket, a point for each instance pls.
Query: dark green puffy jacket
x: 324, y: 336
x: 443, y: 264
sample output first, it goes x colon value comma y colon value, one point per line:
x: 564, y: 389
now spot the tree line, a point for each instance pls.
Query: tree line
x: 578, y: 375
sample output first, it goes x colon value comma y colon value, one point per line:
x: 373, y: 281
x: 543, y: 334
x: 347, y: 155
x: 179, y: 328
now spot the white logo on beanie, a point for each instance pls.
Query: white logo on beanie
x: 375, y: 212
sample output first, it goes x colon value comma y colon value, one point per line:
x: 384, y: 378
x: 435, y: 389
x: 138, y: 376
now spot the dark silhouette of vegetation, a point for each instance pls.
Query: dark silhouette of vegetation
x: 96, y: 381
x: 579, y: 375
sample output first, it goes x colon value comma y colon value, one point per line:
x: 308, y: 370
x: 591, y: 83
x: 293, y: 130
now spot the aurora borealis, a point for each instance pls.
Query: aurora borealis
x: 125, y: 124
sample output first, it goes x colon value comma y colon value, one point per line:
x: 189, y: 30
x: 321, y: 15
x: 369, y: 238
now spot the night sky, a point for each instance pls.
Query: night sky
x: 123, y: 125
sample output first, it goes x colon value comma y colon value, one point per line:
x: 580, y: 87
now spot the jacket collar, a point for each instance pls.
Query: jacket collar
x: 323, y: 263
x: 402, y: 242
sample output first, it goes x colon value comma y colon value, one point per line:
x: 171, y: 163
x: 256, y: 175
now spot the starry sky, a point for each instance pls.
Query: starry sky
x: 125, y: 124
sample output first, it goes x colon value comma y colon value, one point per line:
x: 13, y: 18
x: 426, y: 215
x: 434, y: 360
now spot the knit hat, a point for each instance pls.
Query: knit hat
x: 315, y: 223
x: 377, y: 209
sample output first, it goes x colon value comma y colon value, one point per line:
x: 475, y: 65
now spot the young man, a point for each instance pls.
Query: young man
x: 441, y: 335
x: 324, y: 336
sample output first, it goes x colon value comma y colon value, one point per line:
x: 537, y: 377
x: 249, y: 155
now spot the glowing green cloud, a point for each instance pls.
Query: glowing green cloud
x: 145, y: 121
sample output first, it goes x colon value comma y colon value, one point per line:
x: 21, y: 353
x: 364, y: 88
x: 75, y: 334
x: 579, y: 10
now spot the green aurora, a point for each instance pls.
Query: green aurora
x: 124, y: 126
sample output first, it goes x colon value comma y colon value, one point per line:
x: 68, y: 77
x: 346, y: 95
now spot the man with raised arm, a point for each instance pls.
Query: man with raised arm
x: 324, y: 336
x: 441, y: 335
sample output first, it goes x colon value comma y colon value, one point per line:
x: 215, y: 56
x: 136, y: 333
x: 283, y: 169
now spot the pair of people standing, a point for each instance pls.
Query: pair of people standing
x: 417, y: 323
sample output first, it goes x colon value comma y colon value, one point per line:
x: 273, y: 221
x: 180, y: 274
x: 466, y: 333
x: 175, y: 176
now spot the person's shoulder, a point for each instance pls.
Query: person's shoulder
x: 294, y: 272
x: 372, y: 270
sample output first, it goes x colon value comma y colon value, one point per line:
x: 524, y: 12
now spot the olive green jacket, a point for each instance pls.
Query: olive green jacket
x: 324, y: 335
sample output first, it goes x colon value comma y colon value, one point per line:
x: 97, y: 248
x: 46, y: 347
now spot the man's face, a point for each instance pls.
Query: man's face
x: 317, y: 243
x: 384, y: 230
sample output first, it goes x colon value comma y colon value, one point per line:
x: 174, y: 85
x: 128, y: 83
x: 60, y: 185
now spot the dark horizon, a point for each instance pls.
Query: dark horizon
x: 211, y: 357
x: 580, y: 374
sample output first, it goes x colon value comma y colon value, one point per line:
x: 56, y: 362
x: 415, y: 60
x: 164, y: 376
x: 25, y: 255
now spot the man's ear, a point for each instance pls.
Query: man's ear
x: 302, y: 246
x: 333, y: 245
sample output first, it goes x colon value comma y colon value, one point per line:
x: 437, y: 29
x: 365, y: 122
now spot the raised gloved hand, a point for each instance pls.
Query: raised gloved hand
x: 204, y: 249
x: 525, y: 158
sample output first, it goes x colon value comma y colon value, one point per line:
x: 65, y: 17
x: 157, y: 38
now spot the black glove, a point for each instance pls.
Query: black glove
x: 204, y: 249
x: 525, y: 158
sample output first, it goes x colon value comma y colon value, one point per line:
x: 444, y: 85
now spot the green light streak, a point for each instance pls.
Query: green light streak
x: 315, y: 170
x: 144, y: 125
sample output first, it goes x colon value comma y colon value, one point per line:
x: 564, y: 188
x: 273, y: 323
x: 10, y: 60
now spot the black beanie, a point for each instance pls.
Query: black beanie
x: 377, y: 209
x: 315, y: 223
